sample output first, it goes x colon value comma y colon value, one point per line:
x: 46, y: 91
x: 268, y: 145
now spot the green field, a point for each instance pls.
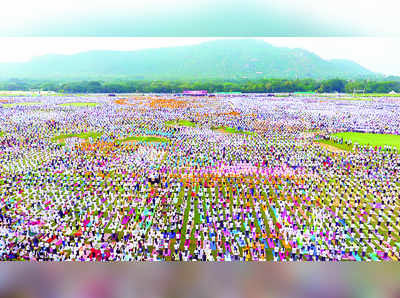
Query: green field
x: 377, y: 95
x: 11, y: 105
x: 10, y: 94
x: 84, y: 135
x: 371, y: 139
x: 1, y: 133
x: 144, y: 139
x: 180, y: 123
x: 79, y: 104
x: 232, y: 130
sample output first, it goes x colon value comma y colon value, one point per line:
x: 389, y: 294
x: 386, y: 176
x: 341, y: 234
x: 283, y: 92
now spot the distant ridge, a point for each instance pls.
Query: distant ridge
x: 223, y: 59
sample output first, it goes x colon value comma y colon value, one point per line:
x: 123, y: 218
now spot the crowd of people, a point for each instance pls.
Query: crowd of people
x: 245, y: 181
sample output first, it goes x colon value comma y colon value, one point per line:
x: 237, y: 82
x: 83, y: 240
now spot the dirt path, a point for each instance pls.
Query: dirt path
x: 331, y: 148
x: 222, y: 130
x: 308, y: 135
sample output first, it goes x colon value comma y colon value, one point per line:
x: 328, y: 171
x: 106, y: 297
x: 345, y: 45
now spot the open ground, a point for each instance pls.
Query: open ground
x: 224, y: 178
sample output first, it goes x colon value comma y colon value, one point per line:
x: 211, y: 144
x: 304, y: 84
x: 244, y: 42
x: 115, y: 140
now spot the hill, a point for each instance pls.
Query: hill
x: 222, y: 59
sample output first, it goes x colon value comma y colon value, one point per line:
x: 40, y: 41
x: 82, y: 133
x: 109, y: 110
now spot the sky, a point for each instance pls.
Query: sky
x: 379, y: 54
x: 200, y: 18
x: 365, y: 31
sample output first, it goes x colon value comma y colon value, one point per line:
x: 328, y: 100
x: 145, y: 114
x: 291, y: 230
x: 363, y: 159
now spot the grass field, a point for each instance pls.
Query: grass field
x: 377, y: 95
x: 180, y: 123
x: 144, y: 139
x: 371, y: 138
x: 11, y: 105
x: 232, y: 130
x: 79, y: 104
x: 12, y: 94
x: 84, y: 135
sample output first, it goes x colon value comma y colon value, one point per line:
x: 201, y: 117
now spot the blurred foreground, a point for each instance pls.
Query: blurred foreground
x: 198, y: 281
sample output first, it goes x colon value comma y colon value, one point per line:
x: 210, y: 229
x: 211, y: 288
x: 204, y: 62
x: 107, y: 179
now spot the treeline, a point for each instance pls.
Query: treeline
x: 257, y: 86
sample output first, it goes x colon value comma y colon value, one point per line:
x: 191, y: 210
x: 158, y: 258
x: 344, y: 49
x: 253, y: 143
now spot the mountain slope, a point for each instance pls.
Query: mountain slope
x: 225, y: 59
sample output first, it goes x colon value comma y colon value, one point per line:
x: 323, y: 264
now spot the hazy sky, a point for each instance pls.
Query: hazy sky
x: 168, y: 18
x: 377, y: 54
x: 344, y: 21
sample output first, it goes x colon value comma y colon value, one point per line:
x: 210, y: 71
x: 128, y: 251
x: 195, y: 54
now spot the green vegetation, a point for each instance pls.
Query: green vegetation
x: 180, y: 123
x: 11, y: 105
x: 371, y: 139
x: 1, y: 133
x: 232, y: 130
x: 378, y: 88
x: 80, y: 104
x: 83, y: 135
x: 144, y: 139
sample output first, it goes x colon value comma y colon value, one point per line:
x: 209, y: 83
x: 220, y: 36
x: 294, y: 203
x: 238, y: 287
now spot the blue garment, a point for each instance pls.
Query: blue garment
x: 358, y: 259
x: 273, y: 209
